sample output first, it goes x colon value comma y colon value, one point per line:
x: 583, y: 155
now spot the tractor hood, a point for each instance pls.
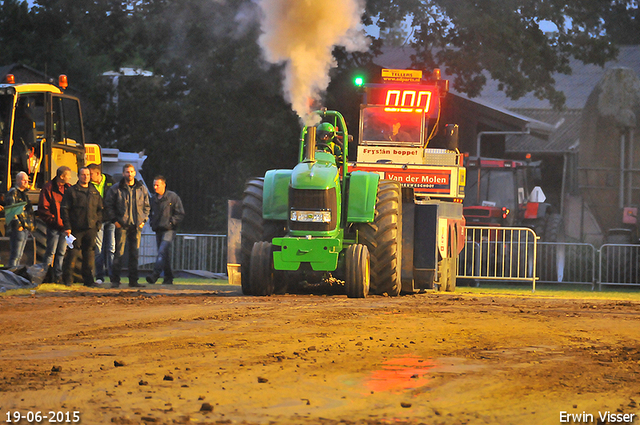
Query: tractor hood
x: 314, y: 175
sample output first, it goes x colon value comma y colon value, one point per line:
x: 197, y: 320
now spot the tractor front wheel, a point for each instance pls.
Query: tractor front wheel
x: 357, y: 271
x: 261, y: 274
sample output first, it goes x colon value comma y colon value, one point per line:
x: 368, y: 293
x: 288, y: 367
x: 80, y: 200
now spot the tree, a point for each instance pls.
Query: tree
x: 214, y: 115
x: 211, y: 117
x: 502, y: 38
x: 16, y: 30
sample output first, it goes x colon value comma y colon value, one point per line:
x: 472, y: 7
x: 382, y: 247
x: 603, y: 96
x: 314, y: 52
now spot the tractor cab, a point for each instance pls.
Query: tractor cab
x: 327, y: 140
x: 499, y: 194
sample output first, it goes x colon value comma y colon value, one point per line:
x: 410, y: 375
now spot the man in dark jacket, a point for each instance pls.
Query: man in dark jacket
x: 166, y: 213
x: 82, y: 217
x: 127, y: 205
x: 49, y: 211
x: 105, y: 239
x: 22, y: 224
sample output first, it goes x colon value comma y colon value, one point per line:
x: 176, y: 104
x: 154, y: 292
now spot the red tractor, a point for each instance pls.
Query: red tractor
x: 498, y: 194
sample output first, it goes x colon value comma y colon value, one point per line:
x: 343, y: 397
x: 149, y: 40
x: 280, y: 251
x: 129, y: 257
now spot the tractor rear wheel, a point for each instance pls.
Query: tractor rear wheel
x: 357, y: 271
x: 383, y: 238
x: 553, y: 231
x: 254, y: 228
x: 261, y: 274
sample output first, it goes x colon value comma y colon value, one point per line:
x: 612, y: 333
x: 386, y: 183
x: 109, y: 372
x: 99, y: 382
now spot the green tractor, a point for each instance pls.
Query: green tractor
x: 319, y: 222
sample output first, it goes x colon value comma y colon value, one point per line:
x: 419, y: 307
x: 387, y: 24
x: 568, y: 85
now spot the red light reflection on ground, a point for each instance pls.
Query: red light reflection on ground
x: 400, y: 373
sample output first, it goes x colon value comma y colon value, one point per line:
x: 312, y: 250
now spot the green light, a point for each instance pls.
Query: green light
x: 358, y: 81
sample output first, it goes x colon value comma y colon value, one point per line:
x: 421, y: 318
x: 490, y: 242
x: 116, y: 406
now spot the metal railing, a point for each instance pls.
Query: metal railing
x: 503, y: 254
x: 506, y: 254
x: 189, y: 252
x: 619, y: 265
x: 498, y: 254
x: 564, y: 262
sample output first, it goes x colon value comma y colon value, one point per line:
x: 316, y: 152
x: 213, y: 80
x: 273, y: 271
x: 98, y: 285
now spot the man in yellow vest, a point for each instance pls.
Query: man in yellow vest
x: 105, y: 238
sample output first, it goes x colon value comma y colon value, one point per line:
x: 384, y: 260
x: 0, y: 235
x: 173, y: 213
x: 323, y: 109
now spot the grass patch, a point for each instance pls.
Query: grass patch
x: 52, y: 287
x: 543, y: 290
x: 555, y: 290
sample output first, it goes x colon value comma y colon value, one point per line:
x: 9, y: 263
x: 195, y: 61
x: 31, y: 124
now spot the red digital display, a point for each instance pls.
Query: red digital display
x: 408, y: 98
x: 404, y: 98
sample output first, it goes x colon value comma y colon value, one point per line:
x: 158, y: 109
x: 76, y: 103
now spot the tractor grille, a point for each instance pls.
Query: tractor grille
x: 313, y: 200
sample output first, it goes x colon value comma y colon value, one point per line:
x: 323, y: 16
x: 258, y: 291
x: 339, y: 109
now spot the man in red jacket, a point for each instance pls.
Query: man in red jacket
x: 49, y: 211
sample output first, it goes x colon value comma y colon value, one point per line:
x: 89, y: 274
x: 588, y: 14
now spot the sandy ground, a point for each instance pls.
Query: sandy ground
x: 209, y: 355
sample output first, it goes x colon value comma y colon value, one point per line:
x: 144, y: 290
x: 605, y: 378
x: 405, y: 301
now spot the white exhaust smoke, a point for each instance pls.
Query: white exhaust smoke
x: 302, y: 34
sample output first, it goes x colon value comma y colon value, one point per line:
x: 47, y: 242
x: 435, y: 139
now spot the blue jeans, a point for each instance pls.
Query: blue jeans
x: 105, y: 249
x: 56, y: 248
x: 164, y: 240
x: 17, y: 242
x: 129, y: 236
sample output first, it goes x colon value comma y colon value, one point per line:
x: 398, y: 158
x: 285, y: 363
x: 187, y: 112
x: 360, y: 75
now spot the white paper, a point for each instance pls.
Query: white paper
x: 70, y: 240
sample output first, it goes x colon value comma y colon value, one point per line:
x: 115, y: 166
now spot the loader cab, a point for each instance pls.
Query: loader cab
x: 41, y: 130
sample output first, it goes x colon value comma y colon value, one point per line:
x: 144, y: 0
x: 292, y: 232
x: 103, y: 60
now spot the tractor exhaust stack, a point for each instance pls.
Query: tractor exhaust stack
x: 310, y: 145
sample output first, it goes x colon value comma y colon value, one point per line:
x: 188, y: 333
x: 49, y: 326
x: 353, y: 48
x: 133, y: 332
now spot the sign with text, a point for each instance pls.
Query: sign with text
x: 422, y: 179
x: 401, y: 75
x: 435, y: 181
x: 393, y: 154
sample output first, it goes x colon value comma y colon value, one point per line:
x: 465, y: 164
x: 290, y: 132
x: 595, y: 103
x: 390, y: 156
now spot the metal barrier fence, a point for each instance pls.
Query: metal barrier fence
x: 619, y: 265
x: 507, y: 254
x: 564, y: 262
x: 504, y: 254
x: 189, y: 252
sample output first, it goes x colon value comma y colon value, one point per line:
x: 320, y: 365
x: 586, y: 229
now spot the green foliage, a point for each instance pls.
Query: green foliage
x: 502, y: 38
x: 213, y: 114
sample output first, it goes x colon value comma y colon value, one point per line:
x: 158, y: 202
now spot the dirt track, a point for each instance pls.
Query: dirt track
x: 430, y: 358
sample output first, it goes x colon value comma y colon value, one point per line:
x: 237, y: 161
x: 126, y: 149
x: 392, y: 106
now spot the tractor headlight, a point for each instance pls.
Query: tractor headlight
x: 311, y: 216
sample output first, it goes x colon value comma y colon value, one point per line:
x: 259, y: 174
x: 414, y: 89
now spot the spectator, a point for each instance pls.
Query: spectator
x: 105, y: 239
x: 22, y: 223
x: 127, y: 205
x: 82, y: 217
x: 49, y: 206
x: 166, y: 213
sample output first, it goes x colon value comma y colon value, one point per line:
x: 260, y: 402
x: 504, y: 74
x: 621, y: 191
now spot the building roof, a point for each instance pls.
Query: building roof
x: 513, y: 118
x: 576, y: 87
x: 26, y: 73
x: 564, y: 138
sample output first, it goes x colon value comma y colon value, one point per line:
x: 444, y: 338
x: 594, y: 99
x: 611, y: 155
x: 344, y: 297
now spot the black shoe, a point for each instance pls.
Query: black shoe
x: 115, y: 284
x: 151, y: 279
x: 135, y: 285
x: 167, y: 282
